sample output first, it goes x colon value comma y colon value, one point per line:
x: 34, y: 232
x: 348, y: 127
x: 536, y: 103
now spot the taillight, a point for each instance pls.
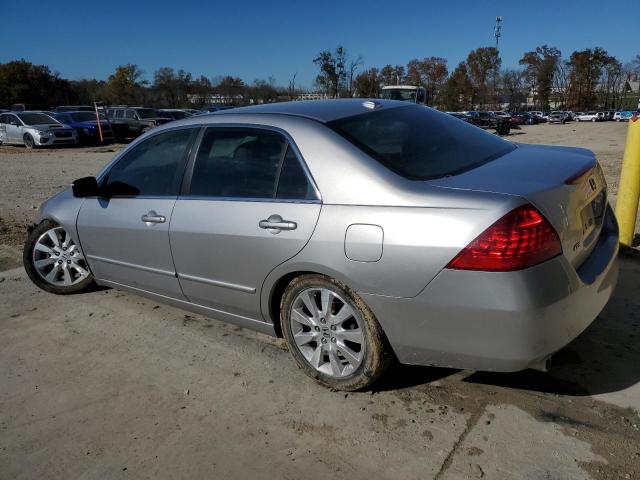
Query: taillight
x: 520, y: 239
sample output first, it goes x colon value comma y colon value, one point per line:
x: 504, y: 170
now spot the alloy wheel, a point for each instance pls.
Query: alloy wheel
x: 58, y: 260
x: 327, y: 332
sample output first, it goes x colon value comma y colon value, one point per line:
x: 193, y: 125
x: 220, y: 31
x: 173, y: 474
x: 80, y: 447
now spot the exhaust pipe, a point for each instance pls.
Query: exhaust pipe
x: 542, y: 365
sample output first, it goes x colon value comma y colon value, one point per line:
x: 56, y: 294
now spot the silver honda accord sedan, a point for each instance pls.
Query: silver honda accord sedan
x: 362, y: 231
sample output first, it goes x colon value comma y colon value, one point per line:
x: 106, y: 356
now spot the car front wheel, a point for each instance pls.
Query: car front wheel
x: 332, y: 334
x: 54, y: 262
x: 28, y: 140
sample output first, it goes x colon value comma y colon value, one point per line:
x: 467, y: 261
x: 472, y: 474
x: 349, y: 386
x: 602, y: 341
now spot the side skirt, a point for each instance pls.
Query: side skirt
x: 244, y: 322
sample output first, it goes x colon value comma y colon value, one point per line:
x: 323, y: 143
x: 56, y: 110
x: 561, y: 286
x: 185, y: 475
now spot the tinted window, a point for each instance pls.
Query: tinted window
x: 129, y: 114
x: 294, y: 182
x: 119, y: 114
x: 147, y: 113
x: 420, y: 143
x: 153, y: 167
x: 36, y: 118
x: 237, y: 163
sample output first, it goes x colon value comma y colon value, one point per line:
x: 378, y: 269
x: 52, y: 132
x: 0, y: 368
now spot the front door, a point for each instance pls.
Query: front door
x: 125, y: 235
x: 250, y: 207
x: 14, y: 129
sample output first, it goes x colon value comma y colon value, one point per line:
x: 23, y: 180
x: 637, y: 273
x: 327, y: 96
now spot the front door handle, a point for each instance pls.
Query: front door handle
x: 275, y: 224
x: 153, y: 217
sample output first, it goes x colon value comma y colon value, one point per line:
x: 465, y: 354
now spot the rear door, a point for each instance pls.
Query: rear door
x: 250, y: 206
x: 125, y: 236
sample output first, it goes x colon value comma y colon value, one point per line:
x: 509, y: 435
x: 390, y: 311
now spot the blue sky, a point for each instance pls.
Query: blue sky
x: 257, y: 39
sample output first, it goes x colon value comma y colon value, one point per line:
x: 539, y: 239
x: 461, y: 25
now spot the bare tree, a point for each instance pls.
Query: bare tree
x: 292, y: 86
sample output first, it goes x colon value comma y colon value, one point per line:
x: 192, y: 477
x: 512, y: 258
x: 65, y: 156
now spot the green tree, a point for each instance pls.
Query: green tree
x: 482, y: 65
x: 24, y: 82
x: 125, y: 85
x: 367, y: 84
x: 540, y: 65
x: 170, y: 88
x: 457, y: 93
x: 585, y: 71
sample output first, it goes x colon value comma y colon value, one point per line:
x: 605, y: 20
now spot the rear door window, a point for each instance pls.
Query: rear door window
x: 237, y: 162
x: 294, y: 182
x: 420, y: 143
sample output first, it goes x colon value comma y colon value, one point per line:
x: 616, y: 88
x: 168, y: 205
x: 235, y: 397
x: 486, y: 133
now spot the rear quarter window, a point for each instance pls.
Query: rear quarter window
x: 420, y: 143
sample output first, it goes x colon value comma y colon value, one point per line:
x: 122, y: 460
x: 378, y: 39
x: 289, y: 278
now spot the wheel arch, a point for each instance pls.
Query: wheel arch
x: 276, y: 283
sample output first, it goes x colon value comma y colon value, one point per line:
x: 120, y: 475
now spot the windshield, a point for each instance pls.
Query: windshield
x: 148, y: 113
x: 403, y: 94
x: 85, y: 116
x: 420, y: 143
x: 36, y: 118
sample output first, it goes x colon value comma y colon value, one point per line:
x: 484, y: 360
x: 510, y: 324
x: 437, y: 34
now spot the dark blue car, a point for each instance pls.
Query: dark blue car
x: 86, y: 124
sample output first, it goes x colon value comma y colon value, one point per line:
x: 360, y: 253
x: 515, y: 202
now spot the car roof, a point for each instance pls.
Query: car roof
x: 320, y: 110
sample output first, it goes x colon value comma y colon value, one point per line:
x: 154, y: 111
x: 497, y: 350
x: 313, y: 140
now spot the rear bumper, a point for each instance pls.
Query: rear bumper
x: 501, y: 321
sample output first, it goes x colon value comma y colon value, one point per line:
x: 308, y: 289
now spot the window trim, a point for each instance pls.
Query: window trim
x: 104, y: 175
x: 186, y: 183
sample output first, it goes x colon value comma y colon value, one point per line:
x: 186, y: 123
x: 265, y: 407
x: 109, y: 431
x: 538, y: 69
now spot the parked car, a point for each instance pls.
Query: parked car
x: 34, y: 129
x: 590, y: 117
x: 74, y: 108
x: 489, y: 120
x: 139, y: 120
x: 86, y: 125
x: 175, y: 113
x: 461, y: 116
x: 216, y: 108
x: 558, y: 117
x: 516, y: 120
x: 502, y: 114
x: 361, y: 231
x: 527, y: 118
x: 622, y: 116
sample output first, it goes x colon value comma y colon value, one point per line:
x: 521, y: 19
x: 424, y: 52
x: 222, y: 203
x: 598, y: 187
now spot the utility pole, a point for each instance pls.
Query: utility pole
x: 497, y: 32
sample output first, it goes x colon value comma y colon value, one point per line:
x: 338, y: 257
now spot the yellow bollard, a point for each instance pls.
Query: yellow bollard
x: 629, y: 189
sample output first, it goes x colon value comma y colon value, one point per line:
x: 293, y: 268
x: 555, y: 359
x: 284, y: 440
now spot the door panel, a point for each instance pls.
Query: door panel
x: 121, y: 247
x: 222, y: 254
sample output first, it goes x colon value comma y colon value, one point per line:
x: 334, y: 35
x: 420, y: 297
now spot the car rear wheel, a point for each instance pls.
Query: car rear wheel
x: 331, y: 333
x: 28, y: 140
x: 54, y: 262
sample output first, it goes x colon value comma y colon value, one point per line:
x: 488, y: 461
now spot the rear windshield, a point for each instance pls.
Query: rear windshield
x: 420, y: 143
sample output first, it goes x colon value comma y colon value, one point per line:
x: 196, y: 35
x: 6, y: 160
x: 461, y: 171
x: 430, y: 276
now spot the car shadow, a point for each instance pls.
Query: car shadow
x: 604, y: 358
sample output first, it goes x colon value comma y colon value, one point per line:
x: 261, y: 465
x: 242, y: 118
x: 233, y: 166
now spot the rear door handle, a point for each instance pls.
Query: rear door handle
x: 275, y: 224
x: 153, y: 217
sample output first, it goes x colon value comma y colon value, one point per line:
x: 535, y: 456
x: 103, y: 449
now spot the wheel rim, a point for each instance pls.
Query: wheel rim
x: 58, y: 260
x: 327, y: 332
x: 28, y: 141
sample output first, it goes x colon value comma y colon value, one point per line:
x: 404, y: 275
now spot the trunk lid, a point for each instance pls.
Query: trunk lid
x: 566, y: 184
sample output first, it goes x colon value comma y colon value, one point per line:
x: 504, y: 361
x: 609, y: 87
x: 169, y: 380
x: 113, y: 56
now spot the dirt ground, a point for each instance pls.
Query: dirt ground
x: 110, y: 385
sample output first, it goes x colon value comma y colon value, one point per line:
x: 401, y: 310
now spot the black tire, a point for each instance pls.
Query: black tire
x: 29, y: 142
x: 378, y: 354
x: 32, y: 272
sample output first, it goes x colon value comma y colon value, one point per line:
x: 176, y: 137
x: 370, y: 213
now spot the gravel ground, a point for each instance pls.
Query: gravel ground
x: 110, y: 385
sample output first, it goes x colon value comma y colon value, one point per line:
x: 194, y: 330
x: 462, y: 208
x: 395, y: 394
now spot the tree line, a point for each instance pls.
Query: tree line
x: 587, y: 79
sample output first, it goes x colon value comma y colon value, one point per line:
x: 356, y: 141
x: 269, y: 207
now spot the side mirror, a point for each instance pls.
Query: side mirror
x: 85, y: 187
